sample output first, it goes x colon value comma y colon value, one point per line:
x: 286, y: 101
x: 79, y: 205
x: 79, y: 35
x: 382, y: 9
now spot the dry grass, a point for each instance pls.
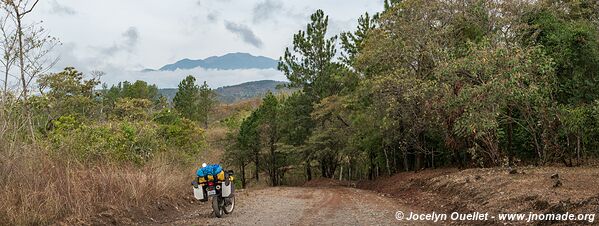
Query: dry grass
x: 37, y: 189
x: 223, y: 111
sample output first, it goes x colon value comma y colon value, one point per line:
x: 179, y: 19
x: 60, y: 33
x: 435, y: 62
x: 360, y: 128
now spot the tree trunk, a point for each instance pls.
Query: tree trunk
x: 349, y: 176
x: 22, y: 69
x: 21, y: 55
x: 418, y: 162
x: 273, y: 166
x: 206, y: 123
x: 405, y: 161
x: 308, y: 170
x: 578, y: 147
x: 433, y: 159
x: 242, y: 169
x: 4, y: 98
x: 371, y: 167
x: 5, y: 89
x: 395, y: 163
x: 510, y: 132
x: 387, y: 161
x: 257, y: 162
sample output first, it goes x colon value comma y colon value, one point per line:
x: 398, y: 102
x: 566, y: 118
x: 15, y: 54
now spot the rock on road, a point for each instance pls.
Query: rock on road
x: 302, y: 206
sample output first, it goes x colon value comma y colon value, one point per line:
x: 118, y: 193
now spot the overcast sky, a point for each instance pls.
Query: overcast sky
x: 121, y: 37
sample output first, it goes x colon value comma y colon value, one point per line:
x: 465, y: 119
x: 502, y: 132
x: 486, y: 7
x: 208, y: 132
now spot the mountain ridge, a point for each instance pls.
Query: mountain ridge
x: 234, y: 93
x: 229, y: 61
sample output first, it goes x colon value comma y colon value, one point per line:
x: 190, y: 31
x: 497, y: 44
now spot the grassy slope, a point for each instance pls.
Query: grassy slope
x: 37, y: 188
x: 40, y: 189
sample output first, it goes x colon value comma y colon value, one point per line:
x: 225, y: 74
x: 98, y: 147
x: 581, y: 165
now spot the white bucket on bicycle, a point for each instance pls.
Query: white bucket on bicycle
x: 198, y: 193
x: 227, y: 190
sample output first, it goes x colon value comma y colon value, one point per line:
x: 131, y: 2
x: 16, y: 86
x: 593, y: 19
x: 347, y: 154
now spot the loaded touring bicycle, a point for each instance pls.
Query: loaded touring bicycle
x: 213, y: 183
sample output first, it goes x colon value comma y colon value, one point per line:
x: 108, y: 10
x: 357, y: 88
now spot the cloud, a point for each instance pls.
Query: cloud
x: 128, y: 44
x: 212, y: 17
x: 57, y: 8
x: 163, y: 79
x: 131, y: 36
x: 66, y: 56
x: 245, y: 33
x: 201, y: 31
x: 264, y: 10
x: 71, y: 55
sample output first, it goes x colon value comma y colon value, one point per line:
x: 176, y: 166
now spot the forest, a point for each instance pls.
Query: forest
x: 420, y: 85
x: 427, y: 84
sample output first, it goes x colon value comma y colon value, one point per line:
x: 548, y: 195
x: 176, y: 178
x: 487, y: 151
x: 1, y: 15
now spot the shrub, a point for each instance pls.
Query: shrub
x: 135, y: 142
x: 132, y: 108
x: 180, y: 133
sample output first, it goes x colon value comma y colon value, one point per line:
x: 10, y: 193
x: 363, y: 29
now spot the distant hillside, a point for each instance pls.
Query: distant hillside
x: 244, y: 91
x: 229, y: 61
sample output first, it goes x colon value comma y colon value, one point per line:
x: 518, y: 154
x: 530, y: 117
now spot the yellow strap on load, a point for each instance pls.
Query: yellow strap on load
x: 220, y: 177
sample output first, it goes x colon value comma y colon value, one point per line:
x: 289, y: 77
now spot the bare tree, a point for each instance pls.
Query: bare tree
x: 18, y: 9
x: 8, y: 45
x: 28, y: 48
x: 7, y: 61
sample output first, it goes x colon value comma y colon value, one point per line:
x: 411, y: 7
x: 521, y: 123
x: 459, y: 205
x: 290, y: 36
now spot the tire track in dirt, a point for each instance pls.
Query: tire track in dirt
x: 301, y: 206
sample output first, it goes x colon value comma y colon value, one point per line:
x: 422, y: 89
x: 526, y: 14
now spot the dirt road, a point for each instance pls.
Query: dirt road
x: 301, y: 206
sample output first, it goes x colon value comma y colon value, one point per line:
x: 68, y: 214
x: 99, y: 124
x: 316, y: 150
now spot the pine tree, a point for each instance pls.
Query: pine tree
x: 352, y: 42
x: 206, y: 102
x: 310, y: 66
x: 186, y: 99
